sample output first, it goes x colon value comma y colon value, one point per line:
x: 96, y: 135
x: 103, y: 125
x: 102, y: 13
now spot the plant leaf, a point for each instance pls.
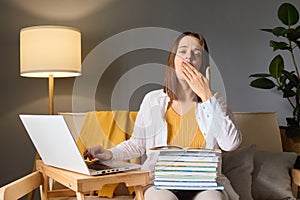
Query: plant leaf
x: 276, y: 67
x: 260, y: 75
x: 296, y: 114
x: 290, y: 85
x: 298, y: 92
x: 267, y: 30
x: 278, y: 45
x: 288, y: 14
x: 282, y: 79
x: 262, y: 83
x: 291, y: 76
x: 293, y: 34
x: 298, y: 43
x: 278, y: 31
x: 296, y: 35
x: 293, y: 128
x: 288, y: 93
x: 291, y: 121
x: 286, y: 31
x: 293, y: 131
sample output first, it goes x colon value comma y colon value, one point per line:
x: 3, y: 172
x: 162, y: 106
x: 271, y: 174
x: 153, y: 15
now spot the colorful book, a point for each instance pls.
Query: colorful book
x: 173, y: 149
x: 185, y: 173
x: 182, y: 176
x: 187, y: 168
x: 184, y: 158
x: 186, y: 164
x: 188, y: 179
x: 189, y: 187
x: 184, y: 183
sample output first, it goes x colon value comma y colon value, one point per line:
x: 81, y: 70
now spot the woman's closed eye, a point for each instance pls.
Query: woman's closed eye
x: 197, y: 53
x: 181, y: 52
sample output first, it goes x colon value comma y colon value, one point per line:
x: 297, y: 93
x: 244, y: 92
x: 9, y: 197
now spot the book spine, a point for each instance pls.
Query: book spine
x: 184, y: 183
x: 186, y: 169
x: 186, y: 164
x: 201, y: 154
x: 184, y: 173
x: 186, y: 179
x: 188, y: 158
x: 189, y: 188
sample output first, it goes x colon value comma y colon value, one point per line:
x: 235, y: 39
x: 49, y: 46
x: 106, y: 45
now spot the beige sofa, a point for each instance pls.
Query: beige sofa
x: 249, y: 165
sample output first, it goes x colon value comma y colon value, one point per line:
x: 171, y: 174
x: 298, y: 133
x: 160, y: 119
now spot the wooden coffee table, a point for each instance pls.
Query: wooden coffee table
x: 80, y: 184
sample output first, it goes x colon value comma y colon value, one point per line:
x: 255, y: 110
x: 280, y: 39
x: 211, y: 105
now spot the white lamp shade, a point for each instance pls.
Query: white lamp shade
x: 50, y: 50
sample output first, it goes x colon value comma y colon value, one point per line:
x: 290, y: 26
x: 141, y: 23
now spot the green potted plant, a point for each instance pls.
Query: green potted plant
x: 288, y: 82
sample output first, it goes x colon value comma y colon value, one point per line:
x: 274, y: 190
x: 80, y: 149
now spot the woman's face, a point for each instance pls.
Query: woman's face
x: 189, y: 49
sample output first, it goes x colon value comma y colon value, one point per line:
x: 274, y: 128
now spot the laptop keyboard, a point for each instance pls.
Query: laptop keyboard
x: 97, y: 165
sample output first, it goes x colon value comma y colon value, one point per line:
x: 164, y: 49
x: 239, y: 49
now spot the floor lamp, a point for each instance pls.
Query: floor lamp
x: 50, y: 52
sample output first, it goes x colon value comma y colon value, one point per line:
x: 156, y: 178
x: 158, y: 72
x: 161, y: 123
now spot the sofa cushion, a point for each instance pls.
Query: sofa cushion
x: 271, y: 175
x: 237, y: 166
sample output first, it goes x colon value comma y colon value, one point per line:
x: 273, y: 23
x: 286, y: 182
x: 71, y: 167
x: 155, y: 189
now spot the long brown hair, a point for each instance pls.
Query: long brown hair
x: 171, y: 81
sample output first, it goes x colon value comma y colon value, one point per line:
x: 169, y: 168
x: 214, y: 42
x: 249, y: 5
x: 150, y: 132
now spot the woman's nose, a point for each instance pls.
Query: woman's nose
x: 188, y: 56
x: 188, y: 60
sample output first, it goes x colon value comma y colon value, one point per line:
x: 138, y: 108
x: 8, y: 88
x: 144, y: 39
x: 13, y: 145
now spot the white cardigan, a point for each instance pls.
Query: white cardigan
x: 150, y: 130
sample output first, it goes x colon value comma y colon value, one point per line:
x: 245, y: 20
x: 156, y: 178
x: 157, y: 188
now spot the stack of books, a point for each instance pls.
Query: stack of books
x: 187, y: 168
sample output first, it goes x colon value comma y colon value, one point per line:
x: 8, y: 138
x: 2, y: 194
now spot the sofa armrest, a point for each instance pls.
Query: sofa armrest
x: 21, y: 187
x: 295, y: 181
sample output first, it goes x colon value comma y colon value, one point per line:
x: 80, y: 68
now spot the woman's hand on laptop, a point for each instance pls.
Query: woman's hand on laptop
x: 97, y: 152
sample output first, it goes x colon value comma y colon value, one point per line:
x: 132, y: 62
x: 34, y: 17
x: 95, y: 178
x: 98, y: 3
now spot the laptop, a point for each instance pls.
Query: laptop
x: 56, y: 146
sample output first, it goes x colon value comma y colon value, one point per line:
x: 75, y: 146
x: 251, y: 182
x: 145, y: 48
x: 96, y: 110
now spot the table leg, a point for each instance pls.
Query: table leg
x: 295, y: 189
x: 45, y: 188
x: 80, y: 196
x: 139, y: 192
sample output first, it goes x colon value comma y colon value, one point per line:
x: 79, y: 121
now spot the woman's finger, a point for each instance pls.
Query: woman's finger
x: 207, y: 74
x: 88, y: 155
x: 187, y: 74
x: 189, y: 67
x: 85, y: 154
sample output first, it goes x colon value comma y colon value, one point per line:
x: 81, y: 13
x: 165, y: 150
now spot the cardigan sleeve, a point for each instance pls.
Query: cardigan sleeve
x: 218, y: 124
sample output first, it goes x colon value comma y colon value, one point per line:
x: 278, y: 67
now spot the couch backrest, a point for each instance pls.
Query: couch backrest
x: 260, y: 128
